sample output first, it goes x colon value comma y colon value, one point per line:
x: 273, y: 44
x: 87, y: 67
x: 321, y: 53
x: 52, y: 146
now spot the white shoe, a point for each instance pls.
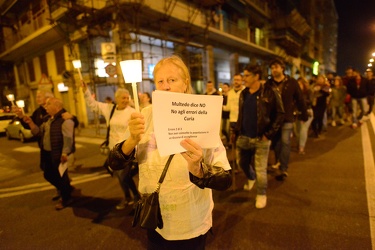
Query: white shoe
x: 276, y: 166
x: 122, y: 205
x: 354, y: 125
x: 249, y: 185
x: 364, y: 118
x: 333, y: 124
x: 261, y: 201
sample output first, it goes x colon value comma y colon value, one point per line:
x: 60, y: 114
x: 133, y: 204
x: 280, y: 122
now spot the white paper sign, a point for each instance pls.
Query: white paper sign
x: 178, y: 116
x: 62, y: 168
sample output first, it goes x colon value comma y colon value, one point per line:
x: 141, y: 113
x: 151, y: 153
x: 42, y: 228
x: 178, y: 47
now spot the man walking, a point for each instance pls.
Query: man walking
x: 358, y: 90
x: 57, y: 142
x: 371, y: 90
x: 260, y: 116
x: 292, y: 98
x: 233, y: 98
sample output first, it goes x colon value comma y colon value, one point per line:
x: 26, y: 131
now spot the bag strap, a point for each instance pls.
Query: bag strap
x: 164, y: 173
x: 108, y: 128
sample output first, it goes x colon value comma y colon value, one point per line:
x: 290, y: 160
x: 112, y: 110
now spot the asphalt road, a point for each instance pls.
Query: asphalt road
x: 323, y: 204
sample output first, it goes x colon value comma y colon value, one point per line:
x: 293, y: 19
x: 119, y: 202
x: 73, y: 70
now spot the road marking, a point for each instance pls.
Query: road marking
x: 369, y: 175
x: 97, y: 141
x: 27, y: 149
x: 38, y: 187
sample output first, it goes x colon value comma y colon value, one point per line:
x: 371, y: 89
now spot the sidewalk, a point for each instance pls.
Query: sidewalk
x: 92, y: 131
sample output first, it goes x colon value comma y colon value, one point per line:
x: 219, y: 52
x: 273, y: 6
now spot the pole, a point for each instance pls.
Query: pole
x: 79, y: 73
x: 135, y: 93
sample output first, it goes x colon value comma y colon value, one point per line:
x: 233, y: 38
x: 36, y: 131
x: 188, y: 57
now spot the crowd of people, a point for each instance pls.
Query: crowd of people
x: 257, y: 116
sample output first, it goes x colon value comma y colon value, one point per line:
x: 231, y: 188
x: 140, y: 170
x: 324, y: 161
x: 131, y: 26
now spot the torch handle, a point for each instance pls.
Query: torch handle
x: 135, y: 93
x: 79, y: 73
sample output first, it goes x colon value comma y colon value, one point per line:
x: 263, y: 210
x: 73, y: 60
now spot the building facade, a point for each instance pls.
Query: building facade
x: 216, y: 38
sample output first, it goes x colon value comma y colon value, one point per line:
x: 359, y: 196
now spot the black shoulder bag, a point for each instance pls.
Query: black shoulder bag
x: 147, y: 212
x: 104, y: 149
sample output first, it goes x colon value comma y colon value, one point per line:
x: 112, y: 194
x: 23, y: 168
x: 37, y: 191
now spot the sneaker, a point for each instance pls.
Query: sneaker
x: 354, y: 125
x: 130, y: 202
x: 261, y: 201
x: 333, y: 124
x: 281, y: 175
x: 249, y: 185
x: 63, y: 204
x: 365, y: 118
x: 122, y: 204
x: 276, y: 166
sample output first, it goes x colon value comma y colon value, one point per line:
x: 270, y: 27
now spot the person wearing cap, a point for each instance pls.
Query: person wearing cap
x: 371, y: 89
x: 292, y: 98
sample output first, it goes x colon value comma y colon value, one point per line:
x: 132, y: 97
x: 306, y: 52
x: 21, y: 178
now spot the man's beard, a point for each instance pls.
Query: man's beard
x: 276, y: 74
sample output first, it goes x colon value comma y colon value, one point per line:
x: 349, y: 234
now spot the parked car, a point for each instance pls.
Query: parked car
x: 15, y: 130
x: 5, y: 119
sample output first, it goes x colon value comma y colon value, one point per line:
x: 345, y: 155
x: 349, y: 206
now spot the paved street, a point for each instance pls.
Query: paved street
x: 327, y: 202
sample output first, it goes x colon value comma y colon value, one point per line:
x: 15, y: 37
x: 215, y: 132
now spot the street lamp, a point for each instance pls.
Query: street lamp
x: 132, y: 72
x: 77, y: 65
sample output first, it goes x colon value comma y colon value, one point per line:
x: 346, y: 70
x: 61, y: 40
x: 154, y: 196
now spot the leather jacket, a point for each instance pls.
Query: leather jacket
x: 270, y: 111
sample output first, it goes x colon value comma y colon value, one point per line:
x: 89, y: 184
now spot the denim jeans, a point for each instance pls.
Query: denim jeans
x: 338, y: 112
x: 252, y: 157
x: 302, y: 130
x: 282, y: 145
x: 362, y: 102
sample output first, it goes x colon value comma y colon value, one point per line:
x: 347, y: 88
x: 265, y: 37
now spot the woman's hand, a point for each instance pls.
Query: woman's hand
x: 84, y: 86
x: 194, y: 156
x: 136, y: 128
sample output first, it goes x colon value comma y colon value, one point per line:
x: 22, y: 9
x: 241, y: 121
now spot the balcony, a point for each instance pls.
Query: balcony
x: 290, y: 32
x: 33, y: 32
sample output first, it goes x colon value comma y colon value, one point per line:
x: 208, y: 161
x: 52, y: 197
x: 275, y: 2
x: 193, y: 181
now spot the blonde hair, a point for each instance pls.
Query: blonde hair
x: 177, y: 61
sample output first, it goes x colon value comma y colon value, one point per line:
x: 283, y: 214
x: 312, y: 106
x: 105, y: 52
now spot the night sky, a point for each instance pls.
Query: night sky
x: 356, y: 33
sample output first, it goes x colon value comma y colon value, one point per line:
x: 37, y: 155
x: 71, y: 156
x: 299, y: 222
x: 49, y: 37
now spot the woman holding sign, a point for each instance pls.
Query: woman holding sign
x: 186, y: 194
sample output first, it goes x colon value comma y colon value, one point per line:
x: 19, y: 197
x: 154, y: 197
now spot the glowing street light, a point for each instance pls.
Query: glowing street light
x: 132, y: 72
x: 77, y: 65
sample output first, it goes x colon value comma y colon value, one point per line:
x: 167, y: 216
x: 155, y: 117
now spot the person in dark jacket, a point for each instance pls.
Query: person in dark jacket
x: 358, y: 90
x: 292, y: 97
x: 371, y: 90
x: 57, y: 142
x: 321, y: 91
x: 40, y: 114
x: 260, y: 116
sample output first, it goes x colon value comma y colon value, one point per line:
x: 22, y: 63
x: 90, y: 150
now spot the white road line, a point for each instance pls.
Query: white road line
x: 38, y: 187
x: 97, y: 141
x: 369, y: 175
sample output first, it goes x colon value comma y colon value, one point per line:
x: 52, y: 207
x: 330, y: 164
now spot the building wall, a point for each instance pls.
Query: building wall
x: 215, y: 45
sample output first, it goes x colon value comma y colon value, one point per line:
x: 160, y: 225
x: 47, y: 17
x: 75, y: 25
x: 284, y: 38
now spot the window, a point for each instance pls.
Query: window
x: 60, y: 60
x: 43, y: 64
x: 30, y: 67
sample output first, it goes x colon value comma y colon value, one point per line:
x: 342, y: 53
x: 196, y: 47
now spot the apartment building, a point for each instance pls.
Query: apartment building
x: 41, y: 38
